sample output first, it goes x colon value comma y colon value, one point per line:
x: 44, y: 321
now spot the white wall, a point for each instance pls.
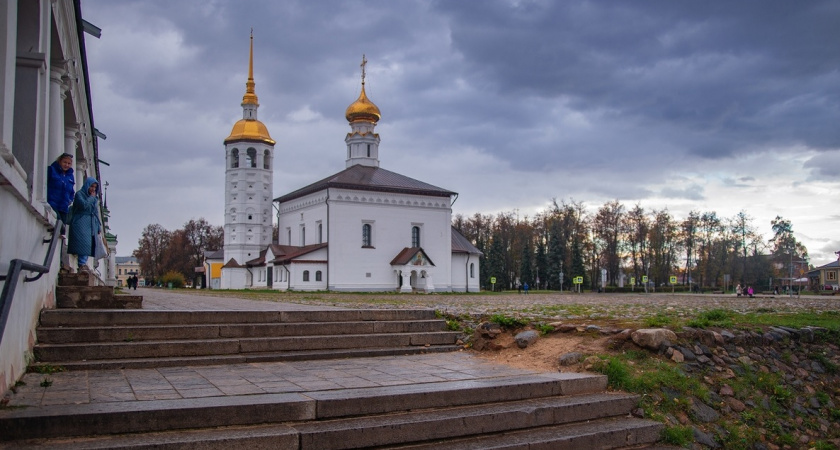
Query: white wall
x: 353, y: 268
x: 461, y: 279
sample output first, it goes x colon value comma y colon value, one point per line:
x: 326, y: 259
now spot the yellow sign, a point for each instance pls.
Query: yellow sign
x: 578, y: 280
x: 673, y: 280
x: 632, y: 280
x: 644, y: 279
x: 492, y: 280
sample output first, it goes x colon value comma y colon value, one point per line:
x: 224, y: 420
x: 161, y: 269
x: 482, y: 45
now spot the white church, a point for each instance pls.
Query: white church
x: 364, y: 228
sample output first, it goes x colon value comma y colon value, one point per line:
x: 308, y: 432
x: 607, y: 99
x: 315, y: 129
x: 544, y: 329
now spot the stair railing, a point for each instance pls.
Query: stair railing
x: 16, y: 268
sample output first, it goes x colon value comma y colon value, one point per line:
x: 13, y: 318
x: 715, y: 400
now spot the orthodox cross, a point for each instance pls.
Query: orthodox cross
x: 363, y: 64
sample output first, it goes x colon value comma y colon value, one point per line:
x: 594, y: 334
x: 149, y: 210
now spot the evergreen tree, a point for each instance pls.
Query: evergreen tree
x: 526, y: 270
x: 542, y: 264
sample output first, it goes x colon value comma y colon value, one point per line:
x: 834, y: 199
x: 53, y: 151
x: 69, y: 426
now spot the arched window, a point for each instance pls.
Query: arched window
x: 267, y: 160
x: 320, y: 233
x: 472, y: 270
x: 251, y: 160
x: 318, y: 276
x: 368, y: 150
x: 415, y: 236
x: 366, y: 235
x: 305, y: 275
x: 234, y: 158
x: 302, y: 236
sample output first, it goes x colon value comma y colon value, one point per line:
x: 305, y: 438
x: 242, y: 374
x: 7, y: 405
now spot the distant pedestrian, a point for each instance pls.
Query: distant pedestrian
x: 750, y: 291
x: 134, y: 282
x: 525, y: 287
x: 738, y: 290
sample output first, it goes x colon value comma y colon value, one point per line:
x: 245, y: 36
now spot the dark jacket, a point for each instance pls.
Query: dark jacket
x: 84, y: 220
x: 60, y: 186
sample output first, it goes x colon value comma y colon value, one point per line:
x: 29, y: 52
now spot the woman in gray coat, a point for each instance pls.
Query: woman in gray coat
x: 84, y: 222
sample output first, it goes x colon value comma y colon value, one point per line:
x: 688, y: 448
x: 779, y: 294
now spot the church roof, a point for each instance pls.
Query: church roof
x: 460, y: 244
x: 284, y: 254
x: 214, y: 254
x: 368, y: 178
x: 232, y: 264
x: 407, y: 254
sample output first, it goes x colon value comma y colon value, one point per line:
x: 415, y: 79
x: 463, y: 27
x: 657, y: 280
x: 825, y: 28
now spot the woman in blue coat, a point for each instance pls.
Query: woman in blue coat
x: 84, y: 222
x: 61, y: 185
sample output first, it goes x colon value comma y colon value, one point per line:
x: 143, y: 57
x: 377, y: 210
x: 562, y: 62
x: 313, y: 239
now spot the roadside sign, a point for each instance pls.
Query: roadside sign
x: 632, y: 281
x: 578, y: 280
x: 673, y: 280
x: 644, y: 279
x: 492, y: 280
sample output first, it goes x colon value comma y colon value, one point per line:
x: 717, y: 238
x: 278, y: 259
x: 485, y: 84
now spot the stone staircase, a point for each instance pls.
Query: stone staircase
x: 508, y: 411
x: 86, y: 290
x: 96, y: 339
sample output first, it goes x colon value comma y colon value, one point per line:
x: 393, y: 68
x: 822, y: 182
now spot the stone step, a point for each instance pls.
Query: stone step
x: 365, y: 432
x: 379, y: 430
x: 122, y: 333
x: 78, y: 279
x: 206, y: 347
x: 94, y: 297
x: 66, y: 318
x: 241, y: 358
x: 64, y: 421
x: 611, y: 433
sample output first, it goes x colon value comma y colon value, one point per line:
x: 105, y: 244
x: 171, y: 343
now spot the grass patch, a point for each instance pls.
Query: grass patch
x: 47, y: 369
x: 508, y: 322
x: 713, y: 317
x: 678, y: 435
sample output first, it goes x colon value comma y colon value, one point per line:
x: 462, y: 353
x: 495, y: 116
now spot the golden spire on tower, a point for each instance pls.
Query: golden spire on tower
x: 363, y: 109
x: 250, y: 97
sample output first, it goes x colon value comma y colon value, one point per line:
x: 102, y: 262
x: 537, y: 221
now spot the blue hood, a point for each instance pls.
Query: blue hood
x: 88, y: 182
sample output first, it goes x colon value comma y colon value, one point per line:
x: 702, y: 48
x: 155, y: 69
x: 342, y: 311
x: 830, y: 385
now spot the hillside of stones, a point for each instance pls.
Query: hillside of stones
x: 763, y: 388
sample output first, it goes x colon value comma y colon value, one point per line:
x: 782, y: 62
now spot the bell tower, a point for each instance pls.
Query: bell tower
x: 362, y: 142
x: 249, y: 159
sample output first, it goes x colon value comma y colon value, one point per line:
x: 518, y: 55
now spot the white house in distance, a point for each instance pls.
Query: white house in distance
x: 362, y: 229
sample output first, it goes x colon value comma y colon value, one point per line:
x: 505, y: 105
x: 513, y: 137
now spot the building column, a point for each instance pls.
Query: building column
x: 71, y: 140
x: 406, y: 280
x: 55, y: 146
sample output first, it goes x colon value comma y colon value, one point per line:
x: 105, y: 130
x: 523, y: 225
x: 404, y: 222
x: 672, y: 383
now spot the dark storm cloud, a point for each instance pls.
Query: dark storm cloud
x: 732, y: 75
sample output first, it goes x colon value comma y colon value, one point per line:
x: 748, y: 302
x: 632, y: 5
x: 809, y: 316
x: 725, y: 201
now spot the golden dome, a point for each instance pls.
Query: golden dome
x: 249, y: 130
x: 362, y: 109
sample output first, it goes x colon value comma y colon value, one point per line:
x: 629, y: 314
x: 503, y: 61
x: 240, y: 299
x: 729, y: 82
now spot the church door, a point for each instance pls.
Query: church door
x: 269, y: 276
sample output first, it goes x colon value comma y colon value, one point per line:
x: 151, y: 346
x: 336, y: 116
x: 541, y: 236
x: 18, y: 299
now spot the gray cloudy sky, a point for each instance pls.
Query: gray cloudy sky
x: 712, y: 106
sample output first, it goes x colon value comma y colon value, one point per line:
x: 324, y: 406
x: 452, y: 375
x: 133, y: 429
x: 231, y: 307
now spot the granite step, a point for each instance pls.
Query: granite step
x: 374, y: 431
x: 64, y: 421
x: 134, y: 333
x: 240, y: 358
x: 611, y: 433
x: 205, y: 347
x: 90, y: 318
x: 94, y: 297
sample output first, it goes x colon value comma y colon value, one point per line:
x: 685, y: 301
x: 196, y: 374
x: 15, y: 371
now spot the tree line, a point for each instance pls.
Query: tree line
x: 160, y: 251
x: 700, y: 250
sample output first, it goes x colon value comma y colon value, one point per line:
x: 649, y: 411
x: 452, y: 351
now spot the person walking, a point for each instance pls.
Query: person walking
x: 60, y: 186
x: 525, y: 288
x: 738, y: 290
x: 84, y: 222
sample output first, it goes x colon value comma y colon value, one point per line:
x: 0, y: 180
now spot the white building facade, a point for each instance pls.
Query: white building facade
x: 45, y: 110
x: 362, y: 229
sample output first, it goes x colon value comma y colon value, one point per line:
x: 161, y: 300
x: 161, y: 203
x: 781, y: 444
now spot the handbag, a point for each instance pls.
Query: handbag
x: 100, y: 250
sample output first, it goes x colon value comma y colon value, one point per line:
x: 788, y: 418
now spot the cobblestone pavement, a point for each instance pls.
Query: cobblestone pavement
x: 554, y: 305
x: 106, y: 386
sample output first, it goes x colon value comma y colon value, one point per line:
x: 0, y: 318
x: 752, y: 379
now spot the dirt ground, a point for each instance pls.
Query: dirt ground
x: 543, y: 354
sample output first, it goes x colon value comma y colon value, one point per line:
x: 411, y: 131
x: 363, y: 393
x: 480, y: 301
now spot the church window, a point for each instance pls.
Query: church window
x: 318, y: 275
x: 320, y: 233
x: 368, y: 150
x: 234, y: 159
x: 366, y: 235
x: 302, y: 236
x: 305, y: 275
x: 472, y: 270
x: 415, y: 236
x: 249, y: 218
x: 266, y: 160
x: 251, y: 159
x: 289, y: 236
